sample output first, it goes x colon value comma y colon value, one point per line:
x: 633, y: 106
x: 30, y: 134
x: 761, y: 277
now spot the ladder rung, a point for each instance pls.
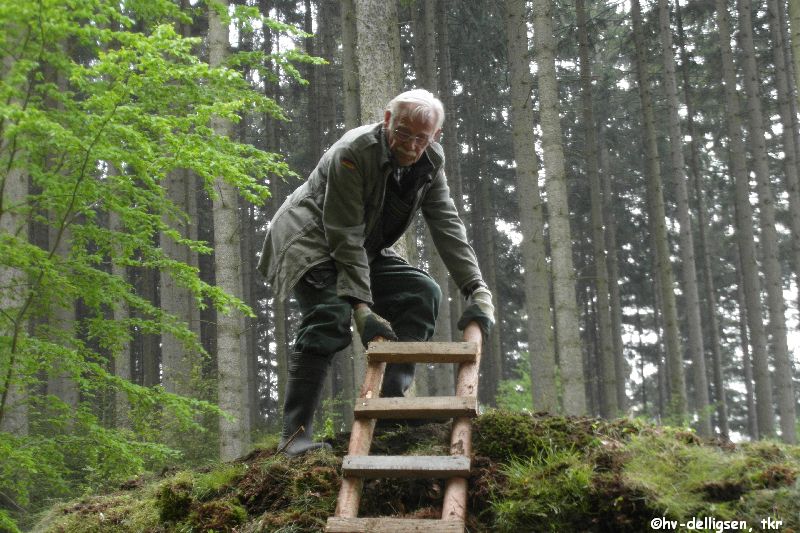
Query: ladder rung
x: 392, y: 525
x: 422, y: 352
x: 406, y: 466
x: 417, y: 407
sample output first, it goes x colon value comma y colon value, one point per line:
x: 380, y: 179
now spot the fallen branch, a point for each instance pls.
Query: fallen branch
x: 301, y: 429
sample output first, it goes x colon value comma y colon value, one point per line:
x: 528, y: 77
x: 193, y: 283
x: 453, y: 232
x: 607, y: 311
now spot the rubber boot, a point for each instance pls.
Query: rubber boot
x: 397, y: 379
x: 303, y: 391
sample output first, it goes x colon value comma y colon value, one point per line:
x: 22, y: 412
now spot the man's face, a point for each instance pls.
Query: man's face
x: 408, y: 137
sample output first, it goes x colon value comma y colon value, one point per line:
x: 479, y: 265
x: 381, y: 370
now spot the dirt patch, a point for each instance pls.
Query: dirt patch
x: 777, y: 475
x: 217, y: 515
x: 723, y: 491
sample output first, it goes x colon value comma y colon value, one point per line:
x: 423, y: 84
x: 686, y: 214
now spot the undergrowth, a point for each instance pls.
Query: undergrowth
x: 530, y: 473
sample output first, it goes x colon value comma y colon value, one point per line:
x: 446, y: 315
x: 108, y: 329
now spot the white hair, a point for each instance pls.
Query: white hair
x: 416, y: 104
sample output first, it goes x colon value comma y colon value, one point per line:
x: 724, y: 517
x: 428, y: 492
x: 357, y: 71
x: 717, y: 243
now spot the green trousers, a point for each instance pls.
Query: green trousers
x: 405, y: 296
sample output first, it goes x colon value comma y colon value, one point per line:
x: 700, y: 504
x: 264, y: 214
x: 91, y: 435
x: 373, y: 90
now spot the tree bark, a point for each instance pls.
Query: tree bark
x: 704, y: 260
x: 13, y: 192
x: 686, y: 240
x: 231, y: 375
x: 536, y: 275
x: 677, y: 393
x: 449, y: 139
x: 747, y: 367
x: 177, y: 362
x: 352, y: 102
x: 794, y: 23
x: 609, y: 200
x: 122, y: 360
x: 566, y: 312
x: 769, y: 237
x: 745, y: 231
x: 788, y: 120
x: 608, y: 375
x: 378, y: 56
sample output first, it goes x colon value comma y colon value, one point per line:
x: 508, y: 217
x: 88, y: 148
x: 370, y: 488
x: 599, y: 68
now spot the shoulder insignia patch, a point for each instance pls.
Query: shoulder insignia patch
x: 348, y: 164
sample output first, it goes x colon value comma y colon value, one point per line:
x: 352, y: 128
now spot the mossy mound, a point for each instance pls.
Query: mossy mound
x: 530, y: 473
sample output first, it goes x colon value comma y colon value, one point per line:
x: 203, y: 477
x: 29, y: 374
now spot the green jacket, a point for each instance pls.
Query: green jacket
x: 328, y: 216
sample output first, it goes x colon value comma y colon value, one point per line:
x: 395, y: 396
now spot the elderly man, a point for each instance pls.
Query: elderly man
x: 330, y: 242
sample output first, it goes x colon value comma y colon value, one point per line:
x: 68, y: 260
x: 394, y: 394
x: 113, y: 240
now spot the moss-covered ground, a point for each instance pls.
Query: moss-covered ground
x: 530, y: 473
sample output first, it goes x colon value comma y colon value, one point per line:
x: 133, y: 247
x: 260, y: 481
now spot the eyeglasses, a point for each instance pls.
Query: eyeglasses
x: 404, y: 137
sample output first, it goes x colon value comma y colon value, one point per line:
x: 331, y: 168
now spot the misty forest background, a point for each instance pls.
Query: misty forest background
x: 628, y: 174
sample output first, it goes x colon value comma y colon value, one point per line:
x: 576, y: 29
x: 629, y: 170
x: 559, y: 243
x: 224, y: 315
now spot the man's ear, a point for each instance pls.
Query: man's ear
x: 387, y: 117
x: 437, y: 135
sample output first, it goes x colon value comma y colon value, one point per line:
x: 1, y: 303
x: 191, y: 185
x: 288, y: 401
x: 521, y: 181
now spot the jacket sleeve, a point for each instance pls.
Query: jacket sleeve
x: 343, y: 222
x: 448, y: 233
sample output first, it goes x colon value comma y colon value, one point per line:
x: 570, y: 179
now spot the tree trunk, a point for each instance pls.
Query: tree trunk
x: 769, y: 236
x: 329, y: 26
x: 747, y: 367
x: 379, y: 67
x: 566, y: 312
x: 231, y: 375
x: 608, y: 375
x: 612, y: 266
x: 745, y: 232
x: 794, y: 23
x: 176, y: 361
x: 677, y: 399
x: 686, y: 240
x: 352, y: 103
x: 790, y: 162
x: 14, y: 189
x: 122, y: 361
x: 449, y: 140
x: 536, y: 275
x: 378, y: 56
x: 707, y: 277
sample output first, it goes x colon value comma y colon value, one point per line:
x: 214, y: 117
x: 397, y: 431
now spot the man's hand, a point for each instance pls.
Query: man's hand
x: 371, y: 325
x: 479, y: 310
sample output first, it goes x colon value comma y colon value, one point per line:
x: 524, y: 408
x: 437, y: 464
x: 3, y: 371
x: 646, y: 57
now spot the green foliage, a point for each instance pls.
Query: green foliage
x: 95, y: 116
x: 6, y: 523
x: 515, y: 394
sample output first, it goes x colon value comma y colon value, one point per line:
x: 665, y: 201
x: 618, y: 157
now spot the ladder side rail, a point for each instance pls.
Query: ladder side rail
x: 454, y: 506
x: 360, y: 442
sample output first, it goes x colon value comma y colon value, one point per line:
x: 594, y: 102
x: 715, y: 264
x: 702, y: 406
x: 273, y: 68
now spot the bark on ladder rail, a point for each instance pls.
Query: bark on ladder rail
x: 357, y: 465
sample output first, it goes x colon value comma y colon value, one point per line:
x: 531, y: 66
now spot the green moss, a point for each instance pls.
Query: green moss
x: 502, y: 435
x: 218, y: 481
x: 530, y: 473
x: 683, y: 479
x: 549, y: 492
x: 122, y: 512
x: 174, y: 498
x: 217, y: 515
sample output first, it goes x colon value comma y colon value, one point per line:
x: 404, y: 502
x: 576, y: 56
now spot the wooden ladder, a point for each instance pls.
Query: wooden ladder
x: 359, y: 465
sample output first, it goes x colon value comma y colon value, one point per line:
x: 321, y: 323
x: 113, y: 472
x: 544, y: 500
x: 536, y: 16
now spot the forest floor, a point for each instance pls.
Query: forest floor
x: 529, y: 473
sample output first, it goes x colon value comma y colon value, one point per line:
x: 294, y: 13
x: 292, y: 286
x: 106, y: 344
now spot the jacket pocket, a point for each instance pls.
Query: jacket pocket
x: 322, y: 275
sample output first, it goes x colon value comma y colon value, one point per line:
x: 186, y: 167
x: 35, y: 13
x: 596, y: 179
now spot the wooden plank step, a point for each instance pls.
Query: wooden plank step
x: 405, y: 466
x: 422, y: 352
x: 432, y: 407
x: 392, y: 525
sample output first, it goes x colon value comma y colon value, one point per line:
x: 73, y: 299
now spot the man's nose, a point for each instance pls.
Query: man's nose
x: 416, y: 143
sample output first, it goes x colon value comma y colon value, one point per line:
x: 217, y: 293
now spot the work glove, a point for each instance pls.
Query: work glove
x: 371, y: 325
x: 479, y: 309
